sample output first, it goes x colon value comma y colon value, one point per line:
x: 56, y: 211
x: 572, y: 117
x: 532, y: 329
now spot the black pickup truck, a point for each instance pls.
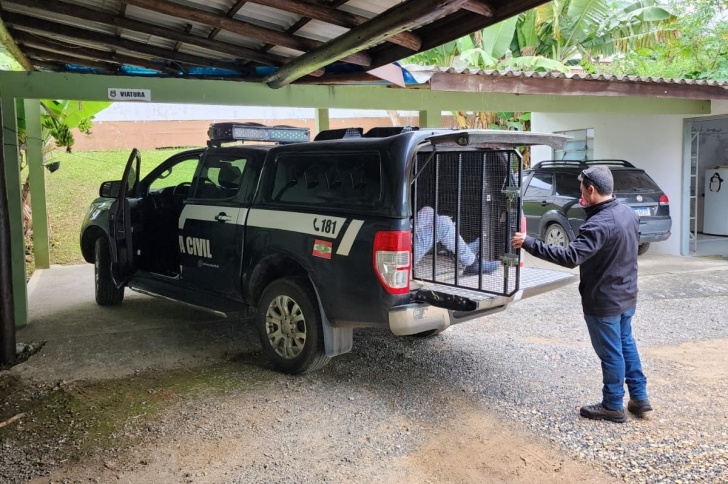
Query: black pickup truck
x: 395, y: 228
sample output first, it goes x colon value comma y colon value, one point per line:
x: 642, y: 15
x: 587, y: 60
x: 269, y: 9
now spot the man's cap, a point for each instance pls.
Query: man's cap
x: 600, y: 177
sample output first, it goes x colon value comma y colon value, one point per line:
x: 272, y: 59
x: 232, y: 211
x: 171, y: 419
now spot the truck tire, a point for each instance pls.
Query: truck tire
x: 107, y: 294
x: 642, y: 248
x: 289, y: 327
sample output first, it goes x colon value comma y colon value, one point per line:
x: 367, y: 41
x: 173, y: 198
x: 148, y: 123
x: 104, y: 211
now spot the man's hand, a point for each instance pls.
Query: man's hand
x: 518, y: 239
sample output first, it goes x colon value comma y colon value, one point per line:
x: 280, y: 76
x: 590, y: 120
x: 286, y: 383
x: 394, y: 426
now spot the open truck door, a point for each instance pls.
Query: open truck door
x: 120, y: 221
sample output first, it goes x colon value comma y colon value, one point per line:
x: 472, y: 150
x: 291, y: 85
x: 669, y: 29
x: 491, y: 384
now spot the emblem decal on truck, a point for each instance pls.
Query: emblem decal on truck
x: 195, y: 246
x: 322, y: 248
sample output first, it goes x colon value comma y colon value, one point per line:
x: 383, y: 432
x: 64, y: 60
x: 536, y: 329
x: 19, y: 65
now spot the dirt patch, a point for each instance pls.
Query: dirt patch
x: 231, y: 446
x: 478, y: 448
x: 705, y: 360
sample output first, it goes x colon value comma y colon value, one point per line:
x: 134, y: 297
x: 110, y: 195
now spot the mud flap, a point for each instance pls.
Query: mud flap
x: 337, y: 341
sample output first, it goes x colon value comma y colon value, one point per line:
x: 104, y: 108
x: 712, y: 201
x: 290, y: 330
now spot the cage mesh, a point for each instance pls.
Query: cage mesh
x: 463, y: 192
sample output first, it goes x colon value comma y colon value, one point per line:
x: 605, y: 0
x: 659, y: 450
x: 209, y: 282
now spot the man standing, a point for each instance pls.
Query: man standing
x: 606, y: 251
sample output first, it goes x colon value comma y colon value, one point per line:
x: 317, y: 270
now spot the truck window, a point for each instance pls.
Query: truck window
x: 344, y: 178
x: 220, y: 178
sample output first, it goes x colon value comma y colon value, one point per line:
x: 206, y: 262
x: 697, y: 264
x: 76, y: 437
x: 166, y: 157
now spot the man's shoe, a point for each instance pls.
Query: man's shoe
x: 487, y: 266
x: 598, y: 412
x: 638, y: 408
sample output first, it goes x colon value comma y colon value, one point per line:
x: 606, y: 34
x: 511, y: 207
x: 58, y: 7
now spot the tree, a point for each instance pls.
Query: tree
x: 58, y: 118
x: 547, y: 39
x: 697, y: 51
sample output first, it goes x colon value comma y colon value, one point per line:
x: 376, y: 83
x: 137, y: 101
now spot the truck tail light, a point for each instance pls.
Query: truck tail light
x: 664, y: 200
x: 392, y: 260
x: 523, y: 229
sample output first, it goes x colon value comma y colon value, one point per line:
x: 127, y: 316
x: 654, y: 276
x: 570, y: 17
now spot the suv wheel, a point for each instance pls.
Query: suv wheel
x: 556, y: 235
x: 107, y: 294
x: 642, y: 248
x: 289, y: 326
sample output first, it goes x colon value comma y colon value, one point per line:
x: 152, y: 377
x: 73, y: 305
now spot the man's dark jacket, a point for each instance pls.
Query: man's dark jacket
x: 606, y: 251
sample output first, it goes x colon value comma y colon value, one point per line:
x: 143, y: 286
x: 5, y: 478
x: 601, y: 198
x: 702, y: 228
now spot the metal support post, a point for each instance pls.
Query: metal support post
x: 430, y: 119
x: 41, y: 244
x: 7, y: 311
x: 322, y: 120
x: 14, y: 209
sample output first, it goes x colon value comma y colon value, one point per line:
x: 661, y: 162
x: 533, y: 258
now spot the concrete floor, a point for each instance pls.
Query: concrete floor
x: 85, y: 340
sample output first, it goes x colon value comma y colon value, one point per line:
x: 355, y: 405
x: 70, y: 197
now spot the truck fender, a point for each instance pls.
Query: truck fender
x: 337, y: 341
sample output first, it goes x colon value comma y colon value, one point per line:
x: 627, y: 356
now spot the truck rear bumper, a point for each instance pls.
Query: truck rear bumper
x: 419, y: 317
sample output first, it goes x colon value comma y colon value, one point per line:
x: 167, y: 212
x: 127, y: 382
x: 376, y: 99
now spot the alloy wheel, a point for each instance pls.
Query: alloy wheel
x: 285, y: 326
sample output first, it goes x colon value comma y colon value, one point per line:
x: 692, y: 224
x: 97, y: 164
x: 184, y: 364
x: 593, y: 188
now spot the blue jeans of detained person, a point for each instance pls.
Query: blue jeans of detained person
x: 425, y: 239
x: 612, y: 340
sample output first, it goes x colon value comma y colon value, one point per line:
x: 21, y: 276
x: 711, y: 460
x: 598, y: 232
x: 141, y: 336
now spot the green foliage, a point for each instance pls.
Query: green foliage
x: 72, y: 188
x: 58, y: 118
x: 698, y: 50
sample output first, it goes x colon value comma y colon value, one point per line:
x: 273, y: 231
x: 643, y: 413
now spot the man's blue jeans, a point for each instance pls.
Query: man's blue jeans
x: 612, y: 340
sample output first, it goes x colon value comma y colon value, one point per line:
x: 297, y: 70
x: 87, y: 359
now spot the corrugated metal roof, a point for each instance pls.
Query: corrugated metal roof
x: 181, y: 36
x: 422, y: 74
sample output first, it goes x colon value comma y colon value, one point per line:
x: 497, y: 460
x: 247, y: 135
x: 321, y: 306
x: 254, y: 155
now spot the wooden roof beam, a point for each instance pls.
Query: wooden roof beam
x: 103, y: 18
x: 451, y: 28
x: 232, y: 12
x: 302, y: 22
x: 39, y: 25
x: 244, y: 29
x: 45, y: 56
x: 9, y: 43
x: 393, y: 21
x: 480, y: 7
x: 37, y: 44
x: 318, y: 11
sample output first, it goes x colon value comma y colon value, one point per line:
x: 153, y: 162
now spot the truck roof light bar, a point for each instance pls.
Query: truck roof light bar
x: 230, y: 132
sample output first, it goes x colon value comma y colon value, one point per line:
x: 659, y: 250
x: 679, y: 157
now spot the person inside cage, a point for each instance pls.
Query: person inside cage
x: 425, y: 240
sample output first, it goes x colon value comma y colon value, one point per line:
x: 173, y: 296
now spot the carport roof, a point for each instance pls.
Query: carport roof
x: 279, y: 41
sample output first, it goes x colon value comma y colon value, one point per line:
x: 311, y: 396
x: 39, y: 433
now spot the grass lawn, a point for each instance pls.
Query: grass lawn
x: 75, y: 185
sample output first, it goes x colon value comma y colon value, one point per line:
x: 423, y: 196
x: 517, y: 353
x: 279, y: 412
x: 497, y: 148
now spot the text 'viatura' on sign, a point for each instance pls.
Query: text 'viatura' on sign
x: 143, y: 95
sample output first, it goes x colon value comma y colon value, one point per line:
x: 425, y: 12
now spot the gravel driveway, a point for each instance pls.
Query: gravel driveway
x: 493, y: 400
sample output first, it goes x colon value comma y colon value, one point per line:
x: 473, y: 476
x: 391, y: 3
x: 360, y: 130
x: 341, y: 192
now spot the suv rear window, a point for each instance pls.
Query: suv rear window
x: 626, y: 180
x: 348, y: 179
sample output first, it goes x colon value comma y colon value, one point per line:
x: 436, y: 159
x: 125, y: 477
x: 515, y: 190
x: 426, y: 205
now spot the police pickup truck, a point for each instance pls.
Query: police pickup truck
x: 396, y: 228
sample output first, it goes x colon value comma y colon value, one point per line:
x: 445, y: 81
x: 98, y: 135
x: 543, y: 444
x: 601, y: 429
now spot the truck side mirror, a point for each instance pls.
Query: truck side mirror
x: 110, y: 189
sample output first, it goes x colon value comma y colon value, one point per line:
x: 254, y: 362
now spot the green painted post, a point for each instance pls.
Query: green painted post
x: 41, y: 244
x: 12, y: 179
x: 322, y: 120
x: 430, y: 119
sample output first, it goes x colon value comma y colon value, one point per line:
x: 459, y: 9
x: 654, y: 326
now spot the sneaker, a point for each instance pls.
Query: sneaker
x: 598, y: 412
x: 639, y: 407
x: 487, y: 266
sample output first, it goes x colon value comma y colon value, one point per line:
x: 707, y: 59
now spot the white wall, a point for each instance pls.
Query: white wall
x: 202, y: 112
x: 651, y: 142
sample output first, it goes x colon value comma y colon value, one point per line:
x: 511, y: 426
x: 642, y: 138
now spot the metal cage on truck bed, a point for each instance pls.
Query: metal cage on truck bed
x: 466, y: 207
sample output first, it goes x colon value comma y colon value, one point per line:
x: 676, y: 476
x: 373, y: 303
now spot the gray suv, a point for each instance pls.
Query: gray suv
x: 552, y: 194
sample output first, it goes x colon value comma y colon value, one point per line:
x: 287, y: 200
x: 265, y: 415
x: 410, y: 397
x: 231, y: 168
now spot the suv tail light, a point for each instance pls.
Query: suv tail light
x: 664, y: 200
x: 392, y: 254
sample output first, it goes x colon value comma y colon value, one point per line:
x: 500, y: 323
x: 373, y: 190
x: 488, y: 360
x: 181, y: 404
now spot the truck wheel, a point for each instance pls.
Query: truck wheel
x: 107, y: 294
x: 642, y: 248
x: 556, y: 235
x: 289, y: 326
